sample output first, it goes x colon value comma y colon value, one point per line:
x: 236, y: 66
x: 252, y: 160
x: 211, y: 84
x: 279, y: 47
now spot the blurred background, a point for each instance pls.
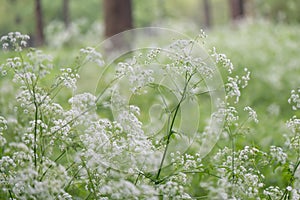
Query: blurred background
x: 47, y: 21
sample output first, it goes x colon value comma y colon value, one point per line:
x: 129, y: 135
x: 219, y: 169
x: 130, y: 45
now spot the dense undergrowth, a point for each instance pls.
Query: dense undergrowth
x: 60, y: 142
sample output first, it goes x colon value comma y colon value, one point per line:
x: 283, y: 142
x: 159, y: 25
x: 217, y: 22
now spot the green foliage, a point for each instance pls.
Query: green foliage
x: 270, y: 52
x: 279, y: 11
x: 251, y: 160
x: 18, y: 15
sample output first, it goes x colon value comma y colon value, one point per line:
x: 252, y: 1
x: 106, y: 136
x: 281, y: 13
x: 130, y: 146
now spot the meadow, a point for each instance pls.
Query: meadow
x: 179, y: 120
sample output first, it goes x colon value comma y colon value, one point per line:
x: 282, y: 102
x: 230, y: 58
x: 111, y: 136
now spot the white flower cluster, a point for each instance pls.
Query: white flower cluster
x: 232, y: 116
x: 202, y: 34
x: 3, y: 127
x: 252, y: 114
x: 14, y: 63
x: 3, y: 124
x: 294, y: 100
x: 39, y: 63
x: 14, y: 40
x: 293, y: 138
x: 27, y: 98
x: 69, y: 78
x: 152, y: 55
x: 24, y: 180
x: 233, y: 89
x: 52, y: 152
x: 294, y: 125
x: 82, y: 102
x: 92, y: 55
x: 234, y: 85
x: 186, y: 162
x: 238, y: 175
x: 124, y: 189
x: 27, y: 71
x: 222, y: 59
x: 278, y: 155
x: 182, y: 62
x: 173, y: 188
x: 274, y: 192
x: 114, y: 152
x: 137, y: 77
x: 245, y: 78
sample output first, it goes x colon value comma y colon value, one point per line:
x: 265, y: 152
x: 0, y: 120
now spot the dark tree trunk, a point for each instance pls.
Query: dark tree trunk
x: 236, y: 9
x: 117, y: 18
x: 39, y: 34
x: 66, y: 13
x: 207, y: 13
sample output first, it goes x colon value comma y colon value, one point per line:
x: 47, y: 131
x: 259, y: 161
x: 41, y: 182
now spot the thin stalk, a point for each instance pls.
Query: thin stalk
x: 10, y: 194
x: 90, y: 178
x: 232, y: 138
x: 170, y: 131
x: 35, y: 128
x: 45, y: 172
x: 73, y: 177
x: 255, y: 166
x: 285, y: 194
x: 233, y: 158
x: 137, y: 178
x: 9, y: 190
x: 88, y: 196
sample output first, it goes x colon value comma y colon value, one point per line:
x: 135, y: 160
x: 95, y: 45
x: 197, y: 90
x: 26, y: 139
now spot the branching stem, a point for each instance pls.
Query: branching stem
x: 170, y: 130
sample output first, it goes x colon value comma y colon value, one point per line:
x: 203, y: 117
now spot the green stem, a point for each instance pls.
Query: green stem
x: 90, y: 178
x: 285, y: 194
x: 170, y: 131
x: 73, y: 177
x: 9, y: 190
x: 59, y: 157
x: 35, y: 129
x: 233, y: 158
x: 168, y: 141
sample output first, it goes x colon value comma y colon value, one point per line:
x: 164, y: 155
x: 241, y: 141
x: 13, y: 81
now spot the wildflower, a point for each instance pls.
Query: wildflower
x: 14, y: 40
x: 3, y: 124
x: 233, y: 89
x: 92, y: 55
x: 69, y: 78
x: 202, y: 34
x: 273, y: 192
x: 294, y: 100
x: 135, y: 75
x: 277, y: 154
x: 245, y: 78
x: 223, y: 60
x: 252, y: 114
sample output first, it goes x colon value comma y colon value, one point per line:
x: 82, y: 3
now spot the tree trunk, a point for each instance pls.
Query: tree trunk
x: 236, y: 9
x: 66, y: 13
x: 117, y: 18
x: 39, y: 34
x: 207, y: 13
